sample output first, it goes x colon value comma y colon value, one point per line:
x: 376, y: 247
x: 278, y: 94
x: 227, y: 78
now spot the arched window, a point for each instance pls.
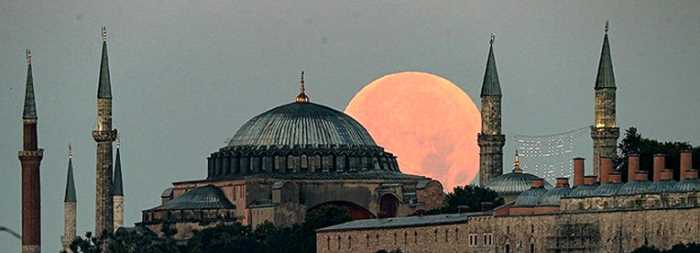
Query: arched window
x: 447, y: 231
x: 339, y: 243
x: 405, y: 237
x: 532, y: 228
x: 532, y: 248
x: 367, y: 239
x: 395, y: 240
x: 456, y: 234
x: 415, y: 237
x: 507, y: 249
x: 349, y: 241
x: 328, y: 242
x: 435, y: 235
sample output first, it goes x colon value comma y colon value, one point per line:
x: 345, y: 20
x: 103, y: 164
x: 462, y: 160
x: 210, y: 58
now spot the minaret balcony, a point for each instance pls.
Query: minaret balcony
x: 30, y: 154
x: 105, y: 135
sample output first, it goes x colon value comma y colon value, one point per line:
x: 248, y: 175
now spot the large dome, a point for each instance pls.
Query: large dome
x: 301, y: 124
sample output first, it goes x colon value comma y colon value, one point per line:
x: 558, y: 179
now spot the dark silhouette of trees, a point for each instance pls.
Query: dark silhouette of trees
x: 678, y: 248
x: 468, y: 198
x: 633, y: 142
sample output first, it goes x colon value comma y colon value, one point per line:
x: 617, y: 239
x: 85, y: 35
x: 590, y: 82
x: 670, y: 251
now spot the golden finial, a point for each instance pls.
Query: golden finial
x: 302, y: 97
x: 70, y: 151
x: 117, y: 142
x: 516, y: 163
x: 29, y: 56
x: 607, y: 26
x: 493, y: 38
x: 104, y: 33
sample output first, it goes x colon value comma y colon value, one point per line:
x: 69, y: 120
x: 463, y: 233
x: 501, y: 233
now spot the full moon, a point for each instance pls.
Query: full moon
x: 428, y: 122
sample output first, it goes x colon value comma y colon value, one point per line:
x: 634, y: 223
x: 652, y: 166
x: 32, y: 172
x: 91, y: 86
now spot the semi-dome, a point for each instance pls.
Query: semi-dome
x: 302, y: 123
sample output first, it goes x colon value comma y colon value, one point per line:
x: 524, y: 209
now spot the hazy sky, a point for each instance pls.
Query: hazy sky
x: 187, y: 74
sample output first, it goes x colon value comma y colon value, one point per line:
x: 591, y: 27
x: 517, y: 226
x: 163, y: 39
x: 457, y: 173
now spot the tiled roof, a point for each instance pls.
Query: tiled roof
x: 409, y: 221
x: 530, y: 197
x: 513, y: 182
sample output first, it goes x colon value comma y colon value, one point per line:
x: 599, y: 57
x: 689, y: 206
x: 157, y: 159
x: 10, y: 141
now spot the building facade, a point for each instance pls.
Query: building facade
x: 287, y: 161
x: 596, y: 216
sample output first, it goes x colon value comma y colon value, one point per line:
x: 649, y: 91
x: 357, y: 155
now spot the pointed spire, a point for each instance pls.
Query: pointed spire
x: 29, y: 103
x: 70, y: 184
x: 302, y: 97
x: 104, y: 88
x: 606, y: 76
x: 491, y: 85
x: 117, y: 186
x: 516, y: 163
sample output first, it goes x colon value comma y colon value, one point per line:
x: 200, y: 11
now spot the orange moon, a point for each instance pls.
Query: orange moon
x: 428, y: 122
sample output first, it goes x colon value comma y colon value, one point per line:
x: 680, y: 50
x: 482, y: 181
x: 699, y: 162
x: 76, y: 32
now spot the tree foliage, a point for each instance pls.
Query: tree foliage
x: 634, y: 143
x: 678, y: 248
x: 468, y: 198
x: 266, y: 238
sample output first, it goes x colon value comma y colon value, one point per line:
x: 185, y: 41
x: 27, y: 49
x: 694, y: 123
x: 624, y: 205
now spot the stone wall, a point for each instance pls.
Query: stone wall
x: 585, y: 231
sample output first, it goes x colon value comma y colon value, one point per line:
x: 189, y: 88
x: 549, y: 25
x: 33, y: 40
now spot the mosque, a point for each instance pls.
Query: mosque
x: 287, y: 161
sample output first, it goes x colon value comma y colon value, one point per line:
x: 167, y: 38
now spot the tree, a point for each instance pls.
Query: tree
x: 468, y: 198
x: 633, y: 142
x: 224, y: 238
x: 678, y: 248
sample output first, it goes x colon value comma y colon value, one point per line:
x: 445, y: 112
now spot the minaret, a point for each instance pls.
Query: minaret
x: 69, y: 206
x: 104, y: 135
x: 118, y: 192
x: 490, y: 139
x: 605, y: 131
x: 30, y: 158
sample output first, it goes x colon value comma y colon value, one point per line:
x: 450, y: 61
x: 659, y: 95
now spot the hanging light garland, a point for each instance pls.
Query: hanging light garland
x: 549, y: 156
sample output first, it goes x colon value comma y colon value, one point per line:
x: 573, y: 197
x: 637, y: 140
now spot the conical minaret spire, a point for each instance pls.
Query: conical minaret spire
x: 491, y: 86
x: 69, y: 205
x: 490, y: 139
x: 516, y: 163
x: 104, y: 89
x: 118, y: 191
x: 30, y: 157
x: 604, y: 131
x: 104, y: 135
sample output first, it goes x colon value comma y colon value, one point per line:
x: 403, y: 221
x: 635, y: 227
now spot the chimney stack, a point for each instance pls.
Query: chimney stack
x: 606, y: 167
x: 641, y: 176
x: 614, y: 178
x: 562, y: 182
x: 632, y: 167
x: 691, y: 175
x: 579, y: 171
x: 666, y: 175
x: 686, y: 163
x: 538, y: 183
x: 659, y: 166
x: 589, y: 180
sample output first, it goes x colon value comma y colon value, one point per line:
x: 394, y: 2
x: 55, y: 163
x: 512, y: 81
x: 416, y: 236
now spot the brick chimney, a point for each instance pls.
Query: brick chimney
x: 589, y: 180
x: 537, y: 183
x: 579, y: 171
x: 666, y: 175
x: 562, y: 182
x: 691, y: 175
x: 632, y: 167
x: 686, y: 163
x: 614, y: 178
x: 641, y: 176
x: 659, y: 166
x: 606, y: 167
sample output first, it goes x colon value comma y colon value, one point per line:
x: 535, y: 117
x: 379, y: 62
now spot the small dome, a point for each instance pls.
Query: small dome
x: 513, y: 183
x: 302, y: 123
x: 205, y: 197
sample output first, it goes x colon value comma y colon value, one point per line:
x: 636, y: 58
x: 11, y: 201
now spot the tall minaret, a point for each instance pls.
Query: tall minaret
x: 104, y: 135
x: 69, y: 206
x: 118, y: 192
x: 605, y: 131
x: 490, y: 139
x: 30, y: 158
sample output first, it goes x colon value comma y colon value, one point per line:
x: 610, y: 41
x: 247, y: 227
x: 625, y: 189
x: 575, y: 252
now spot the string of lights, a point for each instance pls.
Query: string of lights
x: 549, y: 156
